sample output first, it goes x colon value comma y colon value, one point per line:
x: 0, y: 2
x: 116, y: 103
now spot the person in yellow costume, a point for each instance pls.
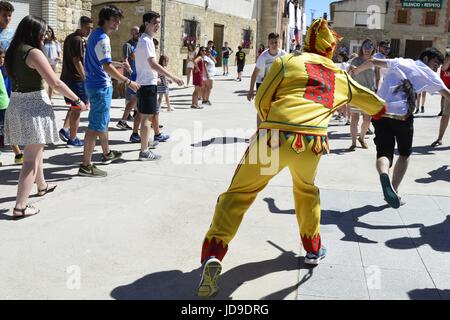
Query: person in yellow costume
x: 295, y: 102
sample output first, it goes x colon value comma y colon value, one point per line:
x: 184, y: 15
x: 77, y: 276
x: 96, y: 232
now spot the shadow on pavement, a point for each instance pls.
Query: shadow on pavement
x: 429, y: 294
x: 428, y: 150
x: 346, y: 221
x: 441, y: 174
x: 178, y: 285
x: 220, y: 140
x: 436, y: 236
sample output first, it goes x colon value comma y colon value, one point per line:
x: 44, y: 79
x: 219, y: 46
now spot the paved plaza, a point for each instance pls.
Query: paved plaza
x: 137, y: 234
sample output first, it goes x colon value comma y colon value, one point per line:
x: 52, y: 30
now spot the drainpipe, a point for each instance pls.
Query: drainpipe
x: 163, y: 26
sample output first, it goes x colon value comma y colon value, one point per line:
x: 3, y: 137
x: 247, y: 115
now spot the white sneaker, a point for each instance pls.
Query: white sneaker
x: 210, y: 275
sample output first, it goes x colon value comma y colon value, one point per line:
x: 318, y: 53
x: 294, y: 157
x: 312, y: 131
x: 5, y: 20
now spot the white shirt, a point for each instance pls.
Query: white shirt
x: 418, y: 73
x: 211, y: 66
x: 51, y: 51
x: 264, y: 63
x: 145, y: 50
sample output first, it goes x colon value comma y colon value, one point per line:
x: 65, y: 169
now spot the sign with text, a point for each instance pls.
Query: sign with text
x: 422, y: 4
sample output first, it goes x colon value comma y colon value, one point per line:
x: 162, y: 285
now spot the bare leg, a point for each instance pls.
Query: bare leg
x: 155, y: 124
x: 74, y: 123
x: 145, y: 131
x: 399, y: 171
x: 90, y: 138
x: 128, y: 107
x: 443, y: 126
x: 160, y: 97
x: 67, y: 119
x: 354, y: 126
x: 104, y: 140
x: 137, y: 122
x: 195, y: 96
x: 188, y: 76
x: 383, y: 165
x: 365, y: 126
x: 167, y: 101
x: 16, y: 149
x: 27, y: 177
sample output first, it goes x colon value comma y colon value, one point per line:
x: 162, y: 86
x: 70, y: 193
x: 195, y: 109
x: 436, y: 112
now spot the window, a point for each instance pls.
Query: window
x: 430, y: 18
x: 402, y: 16
x: 190, y: 32
x: 246, y: 38
x: 361, y: 19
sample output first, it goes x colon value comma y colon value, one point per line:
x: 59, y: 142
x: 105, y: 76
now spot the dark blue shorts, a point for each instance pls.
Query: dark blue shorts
x: 79, y: 88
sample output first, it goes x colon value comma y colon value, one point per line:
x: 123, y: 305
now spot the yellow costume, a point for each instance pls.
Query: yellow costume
x: 297, y: 99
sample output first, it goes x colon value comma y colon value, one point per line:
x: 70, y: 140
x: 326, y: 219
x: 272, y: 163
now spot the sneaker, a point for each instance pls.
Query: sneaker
x: 130, y: 118
x: 417, y: 111
x: 75, y: 143
x: 210, y: 275
x: 315, y: 258
x: 153, y: 144
x: 111, y: 156
x: 422, y: 109
x: 135, y: 138
x: 122, y: 124
x: 402, y: 202
x: 148, y: 156
x: 390, y: 196
x: 18, y: 159
x: 161, y: 137
x: 91, y: 171
x: 439, y: 114
x: 64, y: 134
x: 159, y: 126
x: 196, y: 106
x: 208, y: 103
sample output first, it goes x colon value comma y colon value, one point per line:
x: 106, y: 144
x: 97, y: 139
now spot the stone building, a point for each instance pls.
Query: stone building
x: 279, y: 16
x: 410, y: 25
x: 61, y: 15
x: 189, y: 21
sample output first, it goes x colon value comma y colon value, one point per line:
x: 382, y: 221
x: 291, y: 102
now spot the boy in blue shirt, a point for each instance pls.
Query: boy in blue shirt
x: 99, y: 70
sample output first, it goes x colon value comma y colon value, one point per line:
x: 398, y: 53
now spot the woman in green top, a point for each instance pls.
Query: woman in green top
x: 30, y: 119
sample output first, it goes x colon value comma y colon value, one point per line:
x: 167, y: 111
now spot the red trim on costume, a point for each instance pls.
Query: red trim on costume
x: 379, y: 114
x: 213, y: 248
x: 312, y: 245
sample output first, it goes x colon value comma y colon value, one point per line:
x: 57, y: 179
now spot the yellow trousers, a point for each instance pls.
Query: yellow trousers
x: 268, y: 154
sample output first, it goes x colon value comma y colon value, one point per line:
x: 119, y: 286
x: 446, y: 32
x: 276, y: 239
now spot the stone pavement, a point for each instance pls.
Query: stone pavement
x: 137, y: 233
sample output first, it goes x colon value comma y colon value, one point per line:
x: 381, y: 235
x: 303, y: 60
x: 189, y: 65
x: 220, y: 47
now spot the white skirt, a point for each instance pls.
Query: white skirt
x: 30, y: 119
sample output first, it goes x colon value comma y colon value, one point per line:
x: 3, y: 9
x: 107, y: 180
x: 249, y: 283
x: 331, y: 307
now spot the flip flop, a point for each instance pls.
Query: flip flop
x: 436, y: 143
x: 24, y: 213
x: 43, y: 192
x: 390, y: 195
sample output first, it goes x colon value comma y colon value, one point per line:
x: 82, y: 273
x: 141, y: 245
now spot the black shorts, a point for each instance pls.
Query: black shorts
x: 240, y: 67
x: 388, y: 131
x: 79, y: 88
x: 147, y: 101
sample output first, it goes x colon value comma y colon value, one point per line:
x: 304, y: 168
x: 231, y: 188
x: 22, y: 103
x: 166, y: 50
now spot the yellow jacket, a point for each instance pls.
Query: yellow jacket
x: 301, y: 92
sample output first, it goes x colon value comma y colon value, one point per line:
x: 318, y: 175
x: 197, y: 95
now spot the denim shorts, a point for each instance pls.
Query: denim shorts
x: 225, y: 61
x: 79, y: 88
x: 99, y: 113
x: 128, y: 92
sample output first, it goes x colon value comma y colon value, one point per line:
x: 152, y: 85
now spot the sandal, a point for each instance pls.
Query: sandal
x: 352, y: 148
x: 196, y: 106
x: 363, y: 143
x: 28, y: 211
x: 436, y: 143
x: 43, y: 192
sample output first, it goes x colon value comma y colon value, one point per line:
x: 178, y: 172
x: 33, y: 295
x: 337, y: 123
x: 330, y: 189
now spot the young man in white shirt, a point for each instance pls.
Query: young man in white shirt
x: 263, y: 64
x: 404, y: 78
x: 147, y: 67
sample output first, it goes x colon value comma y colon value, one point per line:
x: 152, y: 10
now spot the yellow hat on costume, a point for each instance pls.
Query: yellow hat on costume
x: 320, y: 39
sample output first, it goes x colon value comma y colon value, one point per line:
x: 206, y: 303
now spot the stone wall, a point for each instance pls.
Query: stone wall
x: 176, y: 12
x: 68, y: 14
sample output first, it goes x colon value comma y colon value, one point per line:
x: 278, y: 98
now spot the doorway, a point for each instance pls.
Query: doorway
x: 218, y: 42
